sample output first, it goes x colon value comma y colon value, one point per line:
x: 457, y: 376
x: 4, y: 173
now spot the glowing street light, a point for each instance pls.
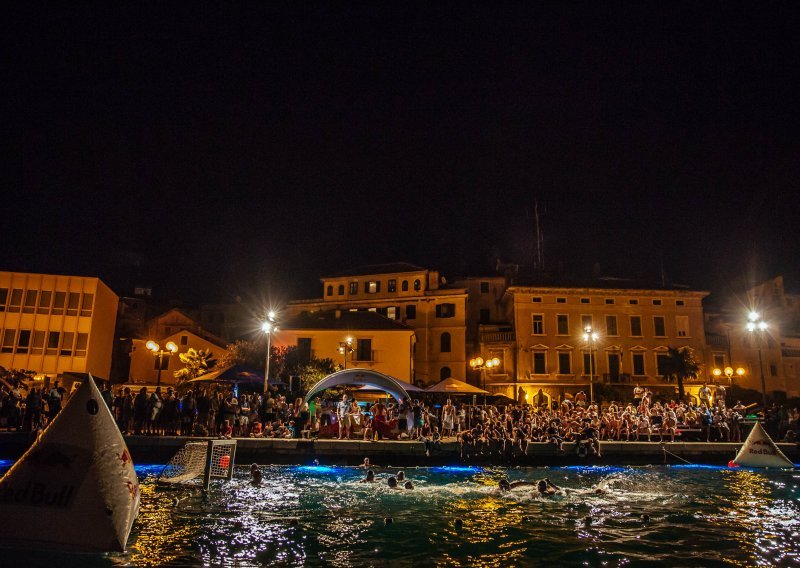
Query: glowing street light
x: 590, y: 336
x: 346, y: 347
x: 155, y: 349
x: 728, y: 372
x: 757, y: 326
x: 479, y: 364
x: 268, y: 326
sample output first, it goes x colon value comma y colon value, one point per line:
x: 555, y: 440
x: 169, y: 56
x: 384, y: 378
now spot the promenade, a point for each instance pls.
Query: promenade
x: 159, y: 449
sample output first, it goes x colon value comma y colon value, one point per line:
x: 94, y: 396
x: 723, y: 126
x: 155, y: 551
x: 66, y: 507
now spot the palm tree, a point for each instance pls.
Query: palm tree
x: 196, y: 362
x: 681, y: 365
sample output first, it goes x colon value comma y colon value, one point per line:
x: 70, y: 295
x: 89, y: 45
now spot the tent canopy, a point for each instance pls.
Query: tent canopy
x: 408, y: 386
x: 235, y: 374
x: 393, y: 386
x: 454, y: 386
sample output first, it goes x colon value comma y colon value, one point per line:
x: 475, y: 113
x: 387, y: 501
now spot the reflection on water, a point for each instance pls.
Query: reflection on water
x: 319, y: 515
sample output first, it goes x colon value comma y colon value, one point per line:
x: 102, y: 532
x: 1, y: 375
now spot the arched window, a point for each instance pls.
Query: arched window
x: 330, y: 290
x: 405, y: 286
x: 417, y: 284
x: 341, y: 289
x: 445, y: 373
x: 444, y: 342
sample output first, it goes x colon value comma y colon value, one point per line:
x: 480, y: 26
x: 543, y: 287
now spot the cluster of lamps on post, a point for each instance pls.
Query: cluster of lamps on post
x: 155, y: 349
x: 482, y: 365
x: 346, y: 348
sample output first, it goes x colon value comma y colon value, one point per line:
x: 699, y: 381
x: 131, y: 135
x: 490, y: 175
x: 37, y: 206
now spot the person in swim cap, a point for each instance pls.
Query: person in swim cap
x: 370, y: 477
x: 409, y: 485
x: 255, y: 474
x: 392, y: 482
x: 546, y: 487
x: 505, y: 485
x: 400, y: 476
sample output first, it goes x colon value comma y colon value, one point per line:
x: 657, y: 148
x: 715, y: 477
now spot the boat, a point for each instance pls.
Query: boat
x: 760, y: 451
x: 75, y: 488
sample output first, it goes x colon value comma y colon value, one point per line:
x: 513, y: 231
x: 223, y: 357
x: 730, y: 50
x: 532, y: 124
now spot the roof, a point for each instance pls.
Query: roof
x: 346, y: 320
x: 389, y: 268
x: 602, y: 283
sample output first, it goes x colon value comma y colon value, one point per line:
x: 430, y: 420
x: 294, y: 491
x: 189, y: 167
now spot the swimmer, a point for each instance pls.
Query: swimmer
x: 370, y: 477
x: 505, y: 485
x: 366, y: 464
x: 546, y: 487
x: 400, y: 476
x: 409, y: 485
x: 392, y: 482
x: 255, y: 474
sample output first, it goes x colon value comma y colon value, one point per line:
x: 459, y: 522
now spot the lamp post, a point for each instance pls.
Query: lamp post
x: 728, y: 372
x: 268, y: 326
x: 479, y: 364
x: 757, y: 326
x: 590, y: 336
x: 346, y: 347
x: 155, y: 349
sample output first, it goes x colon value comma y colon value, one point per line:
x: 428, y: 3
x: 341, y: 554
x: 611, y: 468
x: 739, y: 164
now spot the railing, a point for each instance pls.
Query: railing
x: 715, y: 340
x: 497, y: 336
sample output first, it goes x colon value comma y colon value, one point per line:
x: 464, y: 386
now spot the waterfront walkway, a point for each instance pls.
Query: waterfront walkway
x: 159, y: 449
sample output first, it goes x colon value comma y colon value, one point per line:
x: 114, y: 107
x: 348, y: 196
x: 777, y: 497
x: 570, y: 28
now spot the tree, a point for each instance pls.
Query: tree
x: 16, y: 376
x: 196, y: 363
x: 250, y: 354
x: 314, y: 371
x: 681, y: 365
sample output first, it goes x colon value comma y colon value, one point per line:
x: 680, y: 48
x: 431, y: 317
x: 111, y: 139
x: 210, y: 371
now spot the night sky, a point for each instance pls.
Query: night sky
x: 246, y: 149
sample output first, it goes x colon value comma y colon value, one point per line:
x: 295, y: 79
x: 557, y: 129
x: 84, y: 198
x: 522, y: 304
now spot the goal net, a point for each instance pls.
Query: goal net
x: 197, y: 463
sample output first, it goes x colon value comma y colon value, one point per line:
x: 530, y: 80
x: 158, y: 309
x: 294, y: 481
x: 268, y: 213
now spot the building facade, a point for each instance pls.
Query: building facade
x: 55, y: 324
x: 413, y: 296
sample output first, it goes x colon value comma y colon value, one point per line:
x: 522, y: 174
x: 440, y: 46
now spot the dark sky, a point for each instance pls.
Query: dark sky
x: 221, y: 149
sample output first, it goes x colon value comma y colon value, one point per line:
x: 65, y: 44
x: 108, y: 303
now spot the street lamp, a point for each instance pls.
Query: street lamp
x: 758, y: 326
x: 346, y: 347
x: 155, y: 349
x: 268, y: 326
x: 728, y: 372
x: 479, y: 364
x: 590, y: 337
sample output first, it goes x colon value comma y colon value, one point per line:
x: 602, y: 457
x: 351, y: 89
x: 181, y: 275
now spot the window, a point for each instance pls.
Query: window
x: 484, y: 315
x: 659, y: 330
x: 679, y: 303
x: 636, y: 326
x: 661, y: 364
x: 9, y: 336
x: 484, y: 287
x: 304, y: 348
x: 682, y: 326
x: 561, y: 300
x: 66, y: 343
x: 329, y: 291
x: 445, y: 373
x: 564, y: 364
x: 411, y: 311
x: 444, y: 342
x: 585, y: 301
x: 611, y: 325
x: 341, y: 290
x: 24, y: 340
x: 773, y: 370
x: 417, y: 285
x: 537, y: 324
x: 86, y: 304
x: 353, y: 287
x: 3, y: 299
x: 638, y: 364
x: 38, y: 343
x: 73, y: 301
x: 536, y: 299
x: 184, y: 339
x: 589, y: 365
x: 562, y: 324
x: 719, y: 360
x: 633, y: 301
x: 45, y: 297
x: 80, y: 344
x: 586, y: 321
x: 392, y: 285
x: 656, y: 302
x: 392, y: 312
x: 404, y: 286
x: 539, y: 363
x: 52, y: 343
x: 16, y: 300
x: 364, y: 350
x: 609, y: 301
x: 372, y: 287
x: 30, y: 302
x: 445, y: 310
x: 58, y: 303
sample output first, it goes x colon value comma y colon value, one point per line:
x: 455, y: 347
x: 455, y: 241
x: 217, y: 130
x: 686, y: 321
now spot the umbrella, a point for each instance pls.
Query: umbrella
x: 235, y: 374
x: 454, y: 386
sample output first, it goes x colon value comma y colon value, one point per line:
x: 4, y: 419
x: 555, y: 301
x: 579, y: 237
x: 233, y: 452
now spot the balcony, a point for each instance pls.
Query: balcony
x: 715, y: 340
x: 497, y: 337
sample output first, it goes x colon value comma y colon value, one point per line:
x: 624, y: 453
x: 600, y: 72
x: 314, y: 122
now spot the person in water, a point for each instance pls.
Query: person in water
x: 366, y: 464
x: 255, y: 474
x: 401, y: 476
x: 409, y: 485
x: 370, y: 477
x: 392, y: 482
x: 543, y: 486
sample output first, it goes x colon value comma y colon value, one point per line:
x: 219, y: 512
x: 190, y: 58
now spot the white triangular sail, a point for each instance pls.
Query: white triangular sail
x: 760, y: 451
x: 76, y: 487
